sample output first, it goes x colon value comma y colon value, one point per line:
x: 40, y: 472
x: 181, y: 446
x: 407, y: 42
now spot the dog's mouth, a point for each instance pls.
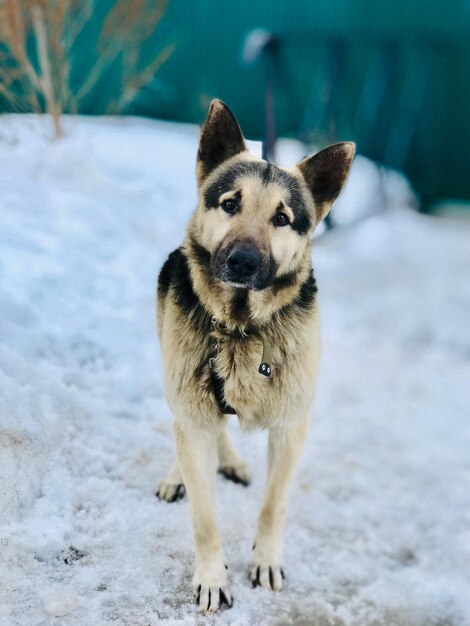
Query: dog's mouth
x: 242, y: 265
x: 249, y: 283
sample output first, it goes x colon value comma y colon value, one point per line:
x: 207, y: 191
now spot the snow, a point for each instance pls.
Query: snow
x: 378, y: 527
x: 60, y: 602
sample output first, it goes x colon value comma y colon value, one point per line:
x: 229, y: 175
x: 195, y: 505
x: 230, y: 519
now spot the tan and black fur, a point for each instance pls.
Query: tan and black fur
x: 242, y: 275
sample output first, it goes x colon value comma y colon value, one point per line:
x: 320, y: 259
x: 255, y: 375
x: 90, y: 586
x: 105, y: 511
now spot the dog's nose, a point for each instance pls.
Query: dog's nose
x: 244, y: 261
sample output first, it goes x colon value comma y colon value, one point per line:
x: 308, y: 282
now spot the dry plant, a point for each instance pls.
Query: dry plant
x: 38, y: 51
x: 125, y: 31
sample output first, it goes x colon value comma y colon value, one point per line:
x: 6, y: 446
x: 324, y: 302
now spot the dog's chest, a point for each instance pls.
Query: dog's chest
x: 258, y: 400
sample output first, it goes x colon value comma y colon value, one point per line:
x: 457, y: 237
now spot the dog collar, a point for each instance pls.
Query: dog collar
x: 265, y: 367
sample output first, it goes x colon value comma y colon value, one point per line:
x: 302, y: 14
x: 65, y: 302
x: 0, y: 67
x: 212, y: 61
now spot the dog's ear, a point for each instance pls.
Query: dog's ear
x: 221, y: 138
x: 326, y: 173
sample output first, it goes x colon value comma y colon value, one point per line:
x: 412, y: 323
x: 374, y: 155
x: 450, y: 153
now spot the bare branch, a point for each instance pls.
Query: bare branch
x: 45, y: 78
x: 140, y: 80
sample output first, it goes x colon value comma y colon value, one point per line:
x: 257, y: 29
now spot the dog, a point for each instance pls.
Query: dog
x: 239, y: 332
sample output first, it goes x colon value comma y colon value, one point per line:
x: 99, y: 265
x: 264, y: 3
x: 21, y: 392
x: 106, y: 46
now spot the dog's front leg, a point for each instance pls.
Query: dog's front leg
x: 284, y: 449
x: 196, y: 449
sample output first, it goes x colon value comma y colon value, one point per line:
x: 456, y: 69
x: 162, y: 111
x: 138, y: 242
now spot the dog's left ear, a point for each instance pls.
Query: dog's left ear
x: 326, y: 173
x: 221, y: 139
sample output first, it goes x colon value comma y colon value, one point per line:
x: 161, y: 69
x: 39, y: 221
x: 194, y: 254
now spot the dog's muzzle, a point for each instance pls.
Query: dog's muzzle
x: 241, y: 265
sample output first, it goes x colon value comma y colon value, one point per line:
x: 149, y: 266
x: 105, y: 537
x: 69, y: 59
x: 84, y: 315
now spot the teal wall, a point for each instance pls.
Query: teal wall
x: 428, y: 34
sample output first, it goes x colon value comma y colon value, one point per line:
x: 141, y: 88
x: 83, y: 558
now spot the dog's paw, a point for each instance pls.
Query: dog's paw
x: 170, y: 492
x: 238, y: 473
x: 211, y: 599
x: 268, y: 576
x: 211, y: 588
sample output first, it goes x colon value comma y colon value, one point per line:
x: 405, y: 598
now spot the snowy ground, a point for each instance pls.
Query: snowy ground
x: 378, y: 530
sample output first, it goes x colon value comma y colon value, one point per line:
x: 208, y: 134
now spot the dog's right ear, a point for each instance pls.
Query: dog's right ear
x: 221, y: 139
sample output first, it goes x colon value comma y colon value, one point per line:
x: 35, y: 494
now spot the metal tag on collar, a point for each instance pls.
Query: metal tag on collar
x: 265, y: 367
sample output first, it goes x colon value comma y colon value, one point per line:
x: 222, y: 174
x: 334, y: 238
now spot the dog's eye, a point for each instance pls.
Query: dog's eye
x: 281, y: 219
x: 229, y: 205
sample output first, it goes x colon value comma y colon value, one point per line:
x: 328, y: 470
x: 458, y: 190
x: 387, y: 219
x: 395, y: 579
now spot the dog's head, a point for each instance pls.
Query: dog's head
x: 255, y: 219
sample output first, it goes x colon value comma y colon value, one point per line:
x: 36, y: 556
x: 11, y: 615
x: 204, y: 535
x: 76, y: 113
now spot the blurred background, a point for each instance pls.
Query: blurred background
x: 392, y: 76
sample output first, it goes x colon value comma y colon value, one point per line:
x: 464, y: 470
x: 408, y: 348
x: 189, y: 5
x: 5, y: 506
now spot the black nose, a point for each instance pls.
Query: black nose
x: 244, y: 261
